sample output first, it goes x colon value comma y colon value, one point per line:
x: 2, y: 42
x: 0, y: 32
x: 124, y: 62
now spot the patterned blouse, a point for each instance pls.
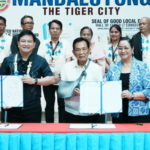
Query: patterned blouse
x: 139, y: 81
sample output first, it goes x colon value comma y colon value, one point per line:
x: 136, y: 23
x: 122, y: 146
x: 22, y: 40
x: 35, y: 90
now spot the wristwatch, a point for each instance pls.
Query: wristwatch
x: 36, y: 81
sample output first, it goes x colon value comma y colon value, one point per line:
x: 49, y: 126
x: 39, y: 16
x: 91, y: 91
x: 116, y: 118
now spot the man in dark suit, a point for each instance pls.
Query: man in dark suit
x: 27, y: 23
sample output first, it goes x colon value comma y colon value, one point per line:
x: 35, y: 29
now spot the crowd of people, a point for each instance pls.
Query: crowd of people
x: 45, y: 63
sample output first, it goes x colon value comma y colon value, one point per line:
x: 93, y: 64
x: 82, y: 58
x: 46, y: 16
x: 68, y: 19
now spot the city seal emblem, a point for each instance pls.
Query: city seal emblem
x: 4, y: 4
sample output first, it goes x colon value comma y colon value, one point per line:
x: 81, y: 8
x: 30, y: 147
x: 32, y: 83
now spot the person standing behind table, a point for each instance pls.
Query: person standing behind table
x: 97, y: 52
x: 135, y: 76
x: 115, y: 34
x: 141, y: 41
x: 57, y: 52
x: 33, y: 67
x: 5, y: 40
x: 70, y: 72
x: 27, y: 23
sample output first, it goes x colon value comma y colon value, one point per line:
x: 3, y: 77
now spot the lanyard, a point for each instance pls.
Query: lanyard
x: 53, y: 49
x: 16, y: 69
x: 113, y: 53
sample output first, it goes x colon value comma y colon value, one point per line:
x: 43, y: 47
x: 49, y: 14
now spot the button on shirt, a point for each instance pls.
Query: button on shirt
x: 39, y: 68
x: 70, y: 72
x: 146, y: 49
x: 5, y: 42
x: 61, y: 53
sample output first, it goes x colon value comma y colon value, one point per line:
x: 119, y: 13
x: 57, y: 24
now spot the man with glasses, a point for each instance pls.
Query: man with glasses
x: 27, y: 23
x: 5, y: 40
x: 141, y: 41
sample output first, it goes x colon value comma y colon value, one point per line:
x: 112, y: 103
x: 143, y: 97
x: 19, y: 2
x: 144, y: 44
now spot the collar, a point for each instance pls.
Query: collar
x: 4, y: 36
x: 145, y: 37
x: 56, y: 42
x: 77, y: 66
x: 20, y: 57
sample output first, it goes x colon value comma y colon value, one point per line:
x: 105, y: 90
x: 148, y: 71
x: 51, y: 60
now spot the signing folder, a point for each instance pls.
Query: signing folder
x: 100, y: 97
x: 11, y: 91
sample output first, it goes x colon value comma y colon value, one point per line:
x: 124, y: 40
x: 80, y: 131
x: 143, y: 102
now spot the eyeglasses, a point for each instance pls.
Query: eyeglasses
x: 30, y: 23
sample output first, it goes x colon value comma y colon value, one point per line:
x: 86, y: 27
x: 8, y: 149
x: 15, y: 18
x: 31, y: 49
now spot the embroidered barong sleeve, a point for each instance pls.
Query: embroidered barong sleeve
x: 146, y: 81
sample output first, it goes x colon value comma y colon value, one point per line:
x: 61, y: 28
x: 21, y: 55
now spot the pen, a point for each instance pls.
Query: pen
x: 93, y: 125
x: 6, y: 125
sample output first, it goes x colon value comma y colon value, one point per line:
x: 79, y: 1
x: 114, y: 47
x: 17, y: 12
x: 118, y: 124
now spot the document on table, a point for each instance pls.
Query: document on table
x: 80, y: 126
x: 92, y: 126
x: 100, y: 97
x: 11, y: 91
x: 10, y: 126
x: 104, y: 126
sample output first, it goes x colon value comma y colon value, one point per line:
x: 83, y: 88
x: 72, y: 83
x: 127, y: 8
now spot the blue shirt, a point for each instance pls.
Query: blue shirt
x: 139, y: 81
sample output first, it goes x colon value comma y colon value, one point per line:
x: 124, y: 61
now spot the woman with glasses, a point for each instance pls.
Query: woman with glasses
x: 135, y: 77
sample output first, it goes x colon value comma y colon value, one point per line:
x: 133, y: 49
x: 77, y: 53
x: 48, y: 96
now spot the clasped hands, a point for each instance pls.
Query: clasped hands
x: 127, y: 94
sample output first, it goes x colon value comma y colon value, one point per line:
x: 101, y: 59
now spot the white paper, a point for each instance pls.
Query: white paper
x: 10, y: 126
x: 112, y: 101
x: 92, y: 126
x: 12, y: 91
x: 80, y: 126
x: 90, y: 97
x: 98, y: 97
x: 104, y: 126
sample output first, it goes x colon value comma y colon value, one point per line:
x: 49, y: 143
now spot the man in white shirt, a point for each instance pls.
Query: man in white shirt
x: 141, y: 41
x: 71, y: 72
x: 5, y: 40
x: 57, y: 52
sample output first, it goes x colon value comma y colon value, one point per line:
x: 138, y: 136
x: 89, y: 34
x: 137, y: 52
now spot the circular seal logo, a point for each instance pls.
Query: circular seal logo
x: 4, y: 4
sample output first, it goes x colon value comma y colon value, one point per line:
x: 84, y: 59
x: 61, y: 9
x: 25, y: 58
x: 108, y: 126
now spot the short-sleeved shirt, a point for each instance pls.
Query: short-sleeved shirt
x: 5, y: 42
x: 61, y: 53
x: 112, y: 53
x: 39, y: 68
x: 70, y: 72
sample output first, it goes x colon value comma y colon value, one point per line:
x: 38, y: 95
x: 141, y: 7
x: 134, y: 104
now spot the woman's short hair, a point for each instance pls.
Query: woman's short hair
x: 127, y: 39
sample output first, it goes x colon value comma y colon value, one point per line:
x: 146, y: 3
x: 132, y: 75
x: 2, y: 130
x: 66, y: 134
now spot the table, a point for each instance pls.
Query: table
x: 46, y: 136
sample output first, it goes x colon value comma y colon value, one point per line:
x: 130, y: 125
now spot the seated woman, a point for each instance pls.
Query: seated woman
x: 71, y: 72
x: 135, y: 77
x: 97, y: 53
